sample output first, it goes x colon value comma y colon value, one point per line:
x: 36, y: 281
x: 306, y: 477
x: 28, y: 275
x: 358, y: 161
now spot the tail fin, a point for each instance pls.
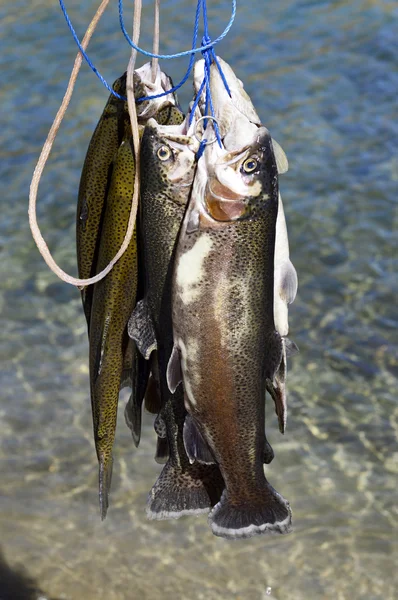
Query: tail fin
x: 105, y: 480
x: 179, y: 492
x: 232, y: 521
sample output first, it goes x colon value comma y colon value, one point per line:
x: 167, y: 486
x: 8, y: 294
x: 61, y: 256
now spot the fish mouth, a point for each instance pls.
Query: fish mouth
x: 223, y: 204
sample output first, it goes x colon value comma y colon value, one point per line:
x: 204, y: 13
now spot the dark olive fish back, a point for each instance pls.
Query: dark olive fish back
x: 114, y: 298
x: 94, y: 183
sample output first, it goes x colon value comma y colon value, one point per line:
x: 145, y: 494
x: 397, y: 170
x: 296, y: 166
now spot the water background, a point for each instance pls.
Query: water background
x: 324, y: 78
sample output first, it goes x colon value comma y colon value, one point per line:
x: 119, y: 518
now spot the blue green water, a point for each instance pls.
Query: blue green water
x: 324, y: 78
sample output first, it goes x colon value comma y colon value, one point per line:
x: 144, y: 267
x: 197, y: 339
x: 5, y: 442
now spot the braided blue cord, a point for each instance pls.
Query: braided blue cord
x: 93, y: 68
x: 178, y: 54
x: 207, y: 50
x: 191, y: 60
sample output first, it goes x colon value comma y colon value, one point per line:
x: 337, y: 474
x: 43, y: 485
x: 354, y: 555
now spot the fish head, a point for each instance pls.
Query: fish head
x: 228, y: 107
x: 238, y: 101
x: 242, y: 183
x: 169, y: 155
x: 232, y: 108
x: 145, y: 86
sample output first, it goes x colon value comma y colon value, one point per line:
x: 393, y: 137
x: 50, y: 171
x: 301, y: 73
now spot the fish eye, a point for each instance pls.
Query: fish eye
x: 164, y: 153
x: 250, y: 165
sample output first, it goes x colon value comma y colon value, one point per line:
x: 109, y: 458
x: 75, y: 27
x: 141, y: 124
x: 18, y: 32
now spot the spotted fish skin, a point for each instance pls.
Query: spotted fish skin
x: 113, y: 300
x: 182, y: 487
x: 224, y: 331
x: 169, y: 115
x: 112, y: 127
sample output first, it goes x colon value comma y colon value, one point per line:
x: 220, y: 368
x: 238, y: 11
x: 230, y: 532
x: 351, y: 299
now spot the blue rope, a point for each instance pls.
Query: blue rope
x: 93, y: 68
x: 207, y: 50
x: 191, y: 60
x: 201, y: 149
x: 178, y: 54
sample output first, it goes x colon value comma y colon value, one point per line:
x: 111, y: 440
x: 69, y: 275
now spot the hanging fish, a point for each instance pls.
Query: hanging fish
x: 226, y: 345
x: 168, y: 166
x: 94, y: 183
x: 113, y: 300
x: 114, y: 361
x: 168, y: 114
x: 238, y: 122
x: 112, y: 128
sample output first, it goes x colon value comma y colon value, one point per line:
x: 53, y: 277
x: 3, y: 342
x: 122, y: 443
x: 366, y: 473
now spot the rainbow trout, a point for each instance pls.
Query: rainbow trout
x: 113, y: 300
x: 112, y: 128
x: 113, y: 359
x: 94, y: 184
x: 168, y: 166
x: 238, y: 122
x: 226, y: 345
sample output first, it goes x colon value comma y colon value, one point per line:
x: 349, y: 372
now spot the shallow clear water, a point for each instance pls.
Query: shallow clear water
x: 324, y: 78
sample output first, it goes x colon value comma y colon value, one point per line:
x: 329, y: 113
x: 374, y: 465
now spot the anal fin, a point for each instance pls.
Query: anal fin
x: 196, y: 447
x: 268, y: 452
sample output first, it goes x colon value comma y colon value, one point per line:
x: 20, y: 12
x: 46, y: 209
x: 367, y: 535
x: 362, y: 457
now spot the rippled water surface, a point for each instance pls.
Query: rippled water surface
x: 324, y: 78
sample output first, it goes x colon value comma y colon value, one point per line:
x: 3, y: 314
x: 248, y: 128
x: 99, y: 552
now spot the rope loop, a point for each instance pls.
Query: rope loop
x: 207, y: 44
x: 185, y: 52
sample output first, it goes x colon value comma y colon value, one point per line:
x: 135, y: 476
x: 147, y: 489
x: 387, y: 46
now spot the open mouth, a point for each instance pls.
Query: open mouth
x: 222, y: 203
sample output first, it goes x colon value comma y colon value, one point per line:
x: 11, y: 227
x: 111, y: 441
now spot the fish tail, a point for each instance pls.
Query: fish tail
x: 179, y: 492
x: 234, y: 521
x: 105, y: 480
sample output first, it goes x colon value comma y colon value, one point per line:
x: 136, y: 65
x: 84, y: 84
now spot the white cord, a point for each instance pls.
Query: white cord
x: 37, y: 236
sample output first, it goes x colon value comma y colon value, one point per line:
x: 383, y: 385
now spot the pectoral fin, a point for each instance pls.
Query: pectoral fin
x: 141, y: 330
x: 288, y: 282
x: 174, y: 374
x: 196, y: 447
x: 290, y: 347
x: 280, y: 157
